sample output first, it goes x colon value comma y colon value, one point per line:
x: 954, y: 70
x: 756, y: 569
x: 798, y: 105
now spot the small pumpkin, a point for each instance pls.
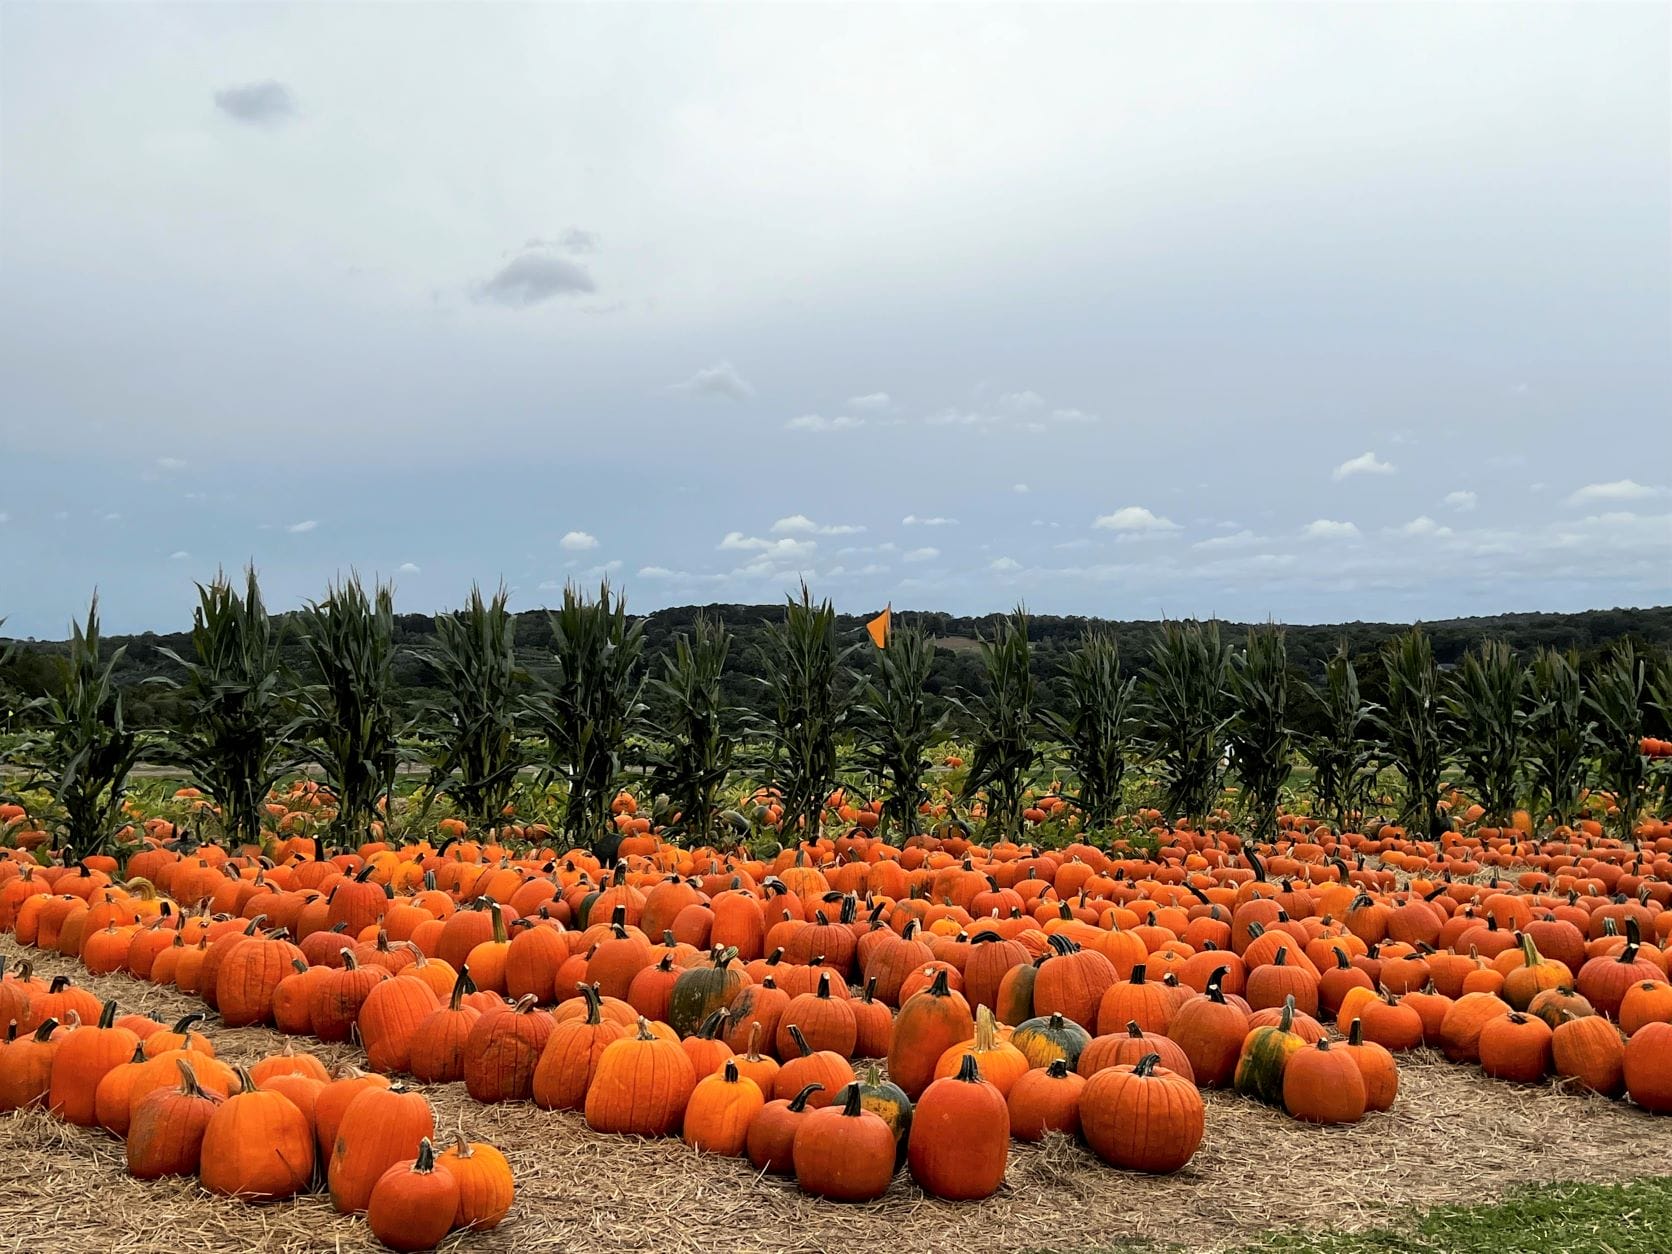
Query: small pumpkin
x: 412, y: 1205
x: 721, y: 1108
x: 844, y: 1152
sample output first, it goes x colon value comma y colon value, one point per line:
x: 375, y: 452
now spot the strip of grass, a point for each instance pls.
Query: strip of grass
x: 1632, y: 1218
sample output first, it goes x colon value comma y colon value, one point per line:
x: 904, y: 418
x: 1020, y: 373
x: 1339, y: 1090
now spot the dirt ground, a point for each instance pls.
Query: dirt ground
x: 1452, y: 1137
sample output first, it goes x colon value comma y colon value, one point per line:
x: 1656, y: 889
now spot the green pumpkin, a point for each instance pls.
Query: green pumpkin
x: 1265, y: 1055
x: 700, y: 991
x: 889, y: 1103
x: 1046, y: 1038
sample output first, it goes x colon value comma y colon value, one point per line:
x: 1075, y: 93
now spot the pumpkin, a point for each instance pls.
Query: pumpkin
x: 486, y: 1187
x: 1142, y: 1118
x: 1072, y: 981
x: 1324, y: 1085
x: 960, y: 1136
x: 1648, y: 1067
x: 1646, y: 1001
x: 1001, y: 1063
x: 827, y: 1022
x: 82, y: 1060
x: 380, y: 1128
x: 721, y: 1108
x: 1516, y: 1047
x: 571, y: 1055
x: 1044, y: 1039
x: 1271, y: 984
x: 1605, y: 979
x: 755, y: 1065
x: 336, y: 1008
x: 1461, y: 1029
x: 165, y: 1134
x: 929, y: 1024
x: 249, y: 976
x: 1535, y: 975
x: 436, y: 1052
x: 288, y: 1063
x: 112, y: 1105
x: 256, y: 1146
x: 641, y: 1086
x: 503, y: 1050
x: 707, y: 1049
x: 160, y: 1072
x: 412, y: 1205
x: 1046, y: 1099
x: 888, y: 1101
x: 844, y: 1152
x: 1136, y: 998
x: 823, y: 1067
x: 333, y: 1103
x: 1591, y: 1051
x: 1376, y: 1066
x: 61, y: 1000
x: 700, y: 991
x: 26, y: 1067
x: 770, y: 1143
x: 757, y: 1005
x: 181, y: 1036
x: 1265, y: 1055
x: 389, y: 1019
x: 1131, y: 1046
x: 1210, y: 1029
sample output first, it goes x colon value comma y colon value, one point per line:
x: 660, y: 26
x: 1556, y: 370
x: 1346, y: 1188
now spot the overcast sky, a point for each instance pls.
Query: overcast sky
x: 1321, y: 313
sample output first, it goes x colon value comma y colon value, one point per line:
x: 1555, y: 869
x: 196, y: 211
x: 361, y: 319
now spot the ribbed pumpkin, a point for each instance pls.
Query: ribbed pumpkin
x: 389, y: 1019
x: 1142, y: 1118
x: 571, y: 1054
x: 928, y: 1024
x: 960, y: 1136
x: 1646, y: 1001
x: 1265, y: 1055
x: 844, y: 1152
x: 1605, y: 979
x: 435, y: 1054
x: 1045, y: 1039
x: 1324, y: 1085
x: 721, y: 1108
x: 256, y: 1146
x: 165, y: 1135
x: 248, y: 977
x: 26, y: 1067
x: 1119, y: 1049
x: 502, y: 1052
x: 1535, y: 975
x: 1515, y: 1047
x: 83, y: 1059
x: 1377, y: 1067
x: 1136, y: 998
x: 1001, y: 1063
x: 413, y: 1203
x: 641, y: 1085
x: 1046, y: 1099
x: 1592, y: 1051
x: 700, y: 991
x: 486, y: 1186
x: 1072, y: 981
x: 1461, y: 1029
x: 182, y: 1035
x: 1210, y: 1029
x: 810, y: 1066
x: 827, y: 1022
x: 1648, y: 1067
x: 62, y: 1001
x: 380, y: 1128
x: 336, y: 1009
x: 333, y: 1103
x: 770, y: 1143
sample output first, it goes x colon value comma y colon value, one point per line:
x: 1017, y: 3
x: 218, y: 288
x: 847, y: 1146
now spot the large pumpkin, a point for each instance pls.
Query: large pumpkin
x: 929, y: 1024
x: 844, y: 1152
x: 960, y: 1136
x: 1142, y: 1118
x: 641, y: 1086
x: 257, y: 1146
x: 1265, y: 1054
x: 380, y: 1128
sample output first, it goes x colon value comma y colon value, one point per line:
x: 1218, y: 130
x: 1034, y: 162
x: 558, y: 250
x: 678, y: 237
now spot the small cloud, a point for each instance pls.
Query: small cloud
x: 816, y: 422
x: 179, y: 555
x: 578, y: 541
x: 1020, y: 488
x: 534, y: 276
x: 955, y: 418
x: 870, y: 401
x: 1461, y: 500
x: 1329, y: 529
x: 113, y: 518
x: 800, y: 524
x: 6, y: 518
x: 171, y: 463
x: 408, y: 568
x: 925, y: 554
x: 1618, y: 490
x: 1072, y: 415
x: 258, y: 104
x: 1004, y: 565
x: 1423, y: 526
x: 574, y: 240
x: 1363, y: 464
x: 1134, y: 518
x: 1022, y: 402
x: 912, y: 520
x: 655, y: 572
x: 303, y: 527
x: 1236, y: 540
x: 721, y: 379
x: 785, y: 549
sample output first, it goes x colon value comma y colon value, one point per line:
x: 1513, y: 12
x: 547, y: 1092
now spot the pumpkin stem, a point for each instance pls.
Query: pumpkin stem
x: 426, y: 1157
x: 1147, y: 1065
x: 799, y: 1039
x: 1215, y: 991
x: 850, y: 1100
x: 969, y: 1070
x: 183, y: 1025
x: 798, y: 1103
x: 107, y: 1015
x: 1133, y: 1031
x: 43, y: 1034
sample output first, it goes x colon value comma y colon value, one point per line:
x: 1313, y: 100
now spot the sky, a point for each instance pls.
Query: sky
x: 1315, y: 313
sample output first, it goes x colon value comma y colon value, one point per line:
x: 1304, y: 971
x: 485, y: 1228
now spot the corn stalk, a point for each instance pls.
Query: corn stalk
x: 894, y: 730
x: 1485, y: 722
x: 1185, y: 713
x: 1558, y: 734
x: 701, y: 728
x: 349, y: 725
x: 1616, y: 698
x: 83, y: 750
x: 1096, y: 731
x: 1413, y: 742
x: 472, y: 725
x: 589, y: 708
x: 803, y: 676
x: 1005, y: 725
x: 1258, y: 732
x: 1342, y: 753
x: 235, y: 738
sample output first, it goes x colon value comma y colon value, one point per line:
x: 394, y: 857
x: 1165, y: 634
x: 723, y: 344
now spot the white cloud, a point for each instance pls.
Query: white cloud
x: 913, y: 520
x: 721, y: 379
x: 1072, y: 415
x: 303, y: 527
x: 925, y: 554
x: 1329, y: 529
x: 1022, y: 402
x: 1020, y: 488
x: 171, y: 463
x: 1134, y: 518
x: 1462, y: 500
x: 956, y: 418
x: 118, y: 518
x: 1236, y: 540
x: 408, y: 568
x: 1004, y: 565
x: 817, y: 422
x: 1423, y: 526
x: 655, y: 572
x: 578, y: 541
x: 1618, y: 490
x: 800, y: 524
x: 1363, y: 464
x: 6, y: 518
x: 870, y: 401
x: 787, y: 549
x: 179, y: 555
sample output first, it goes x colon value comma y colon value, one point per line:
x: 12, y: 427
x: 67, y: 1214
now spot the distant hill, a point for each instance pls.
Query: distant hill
x: 957, y: 661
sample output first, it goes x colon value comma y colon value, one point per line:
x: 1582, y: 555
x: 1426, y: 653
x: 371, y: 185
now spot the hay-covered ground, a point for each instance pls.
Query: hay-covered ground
x: 1452, y: 1138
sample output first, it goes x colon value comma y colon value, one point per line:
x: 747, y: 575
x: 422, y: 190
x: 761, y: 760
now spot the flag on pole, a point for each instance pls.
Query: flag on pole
x: 878, y: 627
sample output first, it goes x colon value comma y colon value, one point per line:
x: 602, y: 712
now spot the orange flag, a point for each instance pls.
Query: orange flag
x: 878, y: 627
